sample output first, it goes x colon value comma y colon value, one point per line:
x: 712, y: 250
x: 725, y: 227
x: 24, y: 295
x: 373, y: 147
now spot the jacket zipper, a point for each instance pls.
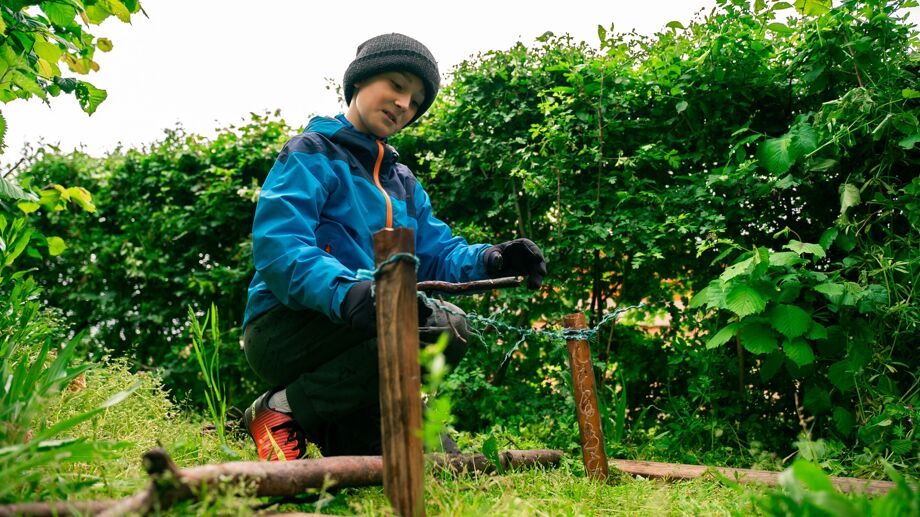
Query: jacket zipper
x: 386, y: 197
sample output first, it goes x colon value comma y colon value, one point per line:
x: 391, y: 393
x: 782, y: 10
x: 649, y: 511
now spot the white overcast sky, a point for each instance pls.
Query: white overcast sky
x: 206, y: 64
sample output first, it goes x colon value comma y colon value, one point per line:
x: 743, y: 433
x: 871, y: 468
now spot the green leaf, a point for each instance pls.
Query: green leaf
x: 841, y: 376
x: 490, y: 451
x: 901, y: 447
x: 827, y: 238
x: 104, y: 44
x: 744, y: 301
x: 9, y: 188
x: 44, y: 69
x: 772, y: 364
x: 813, y: 7
x: 849, y: 197
x: 831, y: 290
x: 789, y: 320
x: 118, y: 9
x: 61, y: 14
x: 97, y: 13
x: 681, y: 106
x: 56, y: 246
x: 812, y: 476
x: 773, y: 154
x: 675, y: 25
x: 816, y: 332
x: 28, y: 207
x: 89, y: 96
x: 51, y: 53
x: 781, y: 28
x: 758, y: 338
x: 778, y: 6
x: 910, y: 93
x: 82, y: 198
x: 804, y: 247
x: 777, y: 155
x: 908, y: 142
x: 785, y: 258
x: 844, y: 421
x: 799, y: 351
x: 736, y: 269
x: 722, y: 336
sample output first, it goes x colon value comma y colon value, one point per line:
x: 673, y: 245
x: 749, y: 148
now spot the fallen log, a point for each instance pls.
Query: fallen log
x: 170, y: 484
x: 670, y: 471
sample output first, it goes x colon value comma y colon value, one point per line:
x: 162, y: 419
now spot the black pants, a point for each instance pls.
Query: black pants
x: 330, y: 372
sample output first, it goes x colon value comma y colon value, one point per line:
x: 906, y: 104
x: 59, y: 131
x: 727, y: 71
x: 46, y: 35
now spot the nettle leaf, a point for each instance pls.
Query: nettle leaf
x: 789, y: 320
x: 743, y: 300
x: 805, y: 247
x: 799, y: 351
x: 758, y: 338
x: 722, y: 336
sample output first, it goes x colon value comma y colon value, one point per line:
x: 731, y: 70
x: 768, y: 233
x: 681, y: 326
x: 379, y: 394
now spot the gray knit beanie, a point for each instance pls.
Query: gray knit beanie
x: 394, y: 52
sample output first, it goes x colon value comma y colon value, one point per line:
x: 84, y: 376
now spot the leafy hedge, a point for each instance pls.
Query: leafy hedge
x: 751, y: 177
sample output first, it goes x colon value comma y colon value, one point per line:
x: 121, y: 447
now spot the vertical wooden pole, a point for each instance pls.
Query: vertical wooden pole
x: 400, y: 383
x: 589, y: 417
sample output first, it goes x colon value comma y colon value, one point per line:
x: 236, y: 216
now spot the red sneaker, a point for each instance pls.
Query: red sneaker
x: 278, y: 437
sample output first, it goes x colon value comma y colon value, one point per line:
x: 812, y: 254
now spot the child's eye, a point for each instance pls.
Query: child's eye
x: 396, y: 85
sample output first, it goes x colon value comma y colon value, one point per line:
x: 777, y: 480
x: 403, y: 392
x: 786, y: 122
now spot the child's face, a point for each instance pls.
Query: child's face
x: 385, y: 103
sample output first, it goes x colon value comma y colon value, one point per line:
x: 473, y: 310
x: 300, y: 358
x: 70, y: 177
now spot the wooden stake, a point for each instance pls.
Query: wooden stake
x: 589, y: 417
x: 400, y: 382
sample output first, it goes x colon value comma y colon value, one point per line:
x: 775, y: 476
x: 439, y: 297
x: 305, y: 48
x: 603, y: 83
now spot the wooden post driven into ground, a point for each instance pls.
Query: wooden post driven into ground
x: 400, y: 383
x: 589, y: 417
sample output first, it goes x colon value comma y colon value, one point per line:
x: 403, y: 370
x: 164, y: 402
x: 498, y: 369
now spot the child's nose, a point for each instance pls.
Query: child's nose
x: 404, y: 100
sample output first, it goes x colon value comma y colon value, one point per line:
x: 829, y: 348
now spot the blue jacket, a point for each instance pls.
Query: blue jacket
x: 329, y: 190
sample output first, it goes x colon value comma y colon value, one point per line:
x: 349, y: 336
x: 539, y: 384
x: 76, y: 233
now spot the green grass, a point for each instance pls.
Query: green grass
x: 149, y: 418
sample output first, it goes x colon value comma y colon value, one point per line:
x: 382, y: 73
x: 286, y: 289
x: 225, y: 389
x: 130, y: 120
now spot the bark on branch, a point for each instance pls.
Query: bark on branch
x: 654, y: 469
x: 468, y: 287
x: 170, y: 484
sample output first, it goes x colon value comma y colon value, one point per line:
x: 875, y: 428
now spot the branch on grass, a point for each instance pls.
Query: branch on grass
x: 670, y: 471
x: 170, y: 484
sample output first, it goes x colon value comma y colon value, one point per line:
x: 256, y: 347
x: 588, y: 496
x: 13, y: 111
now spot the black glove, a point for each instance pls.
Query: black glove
x: 358, y: 309
x: 520, y: 257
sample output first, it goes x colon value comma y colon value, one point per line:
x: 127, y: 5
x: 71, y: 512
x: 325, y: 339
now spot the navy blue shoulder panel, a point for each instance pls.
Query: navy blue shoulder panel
x: 312, y: 143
